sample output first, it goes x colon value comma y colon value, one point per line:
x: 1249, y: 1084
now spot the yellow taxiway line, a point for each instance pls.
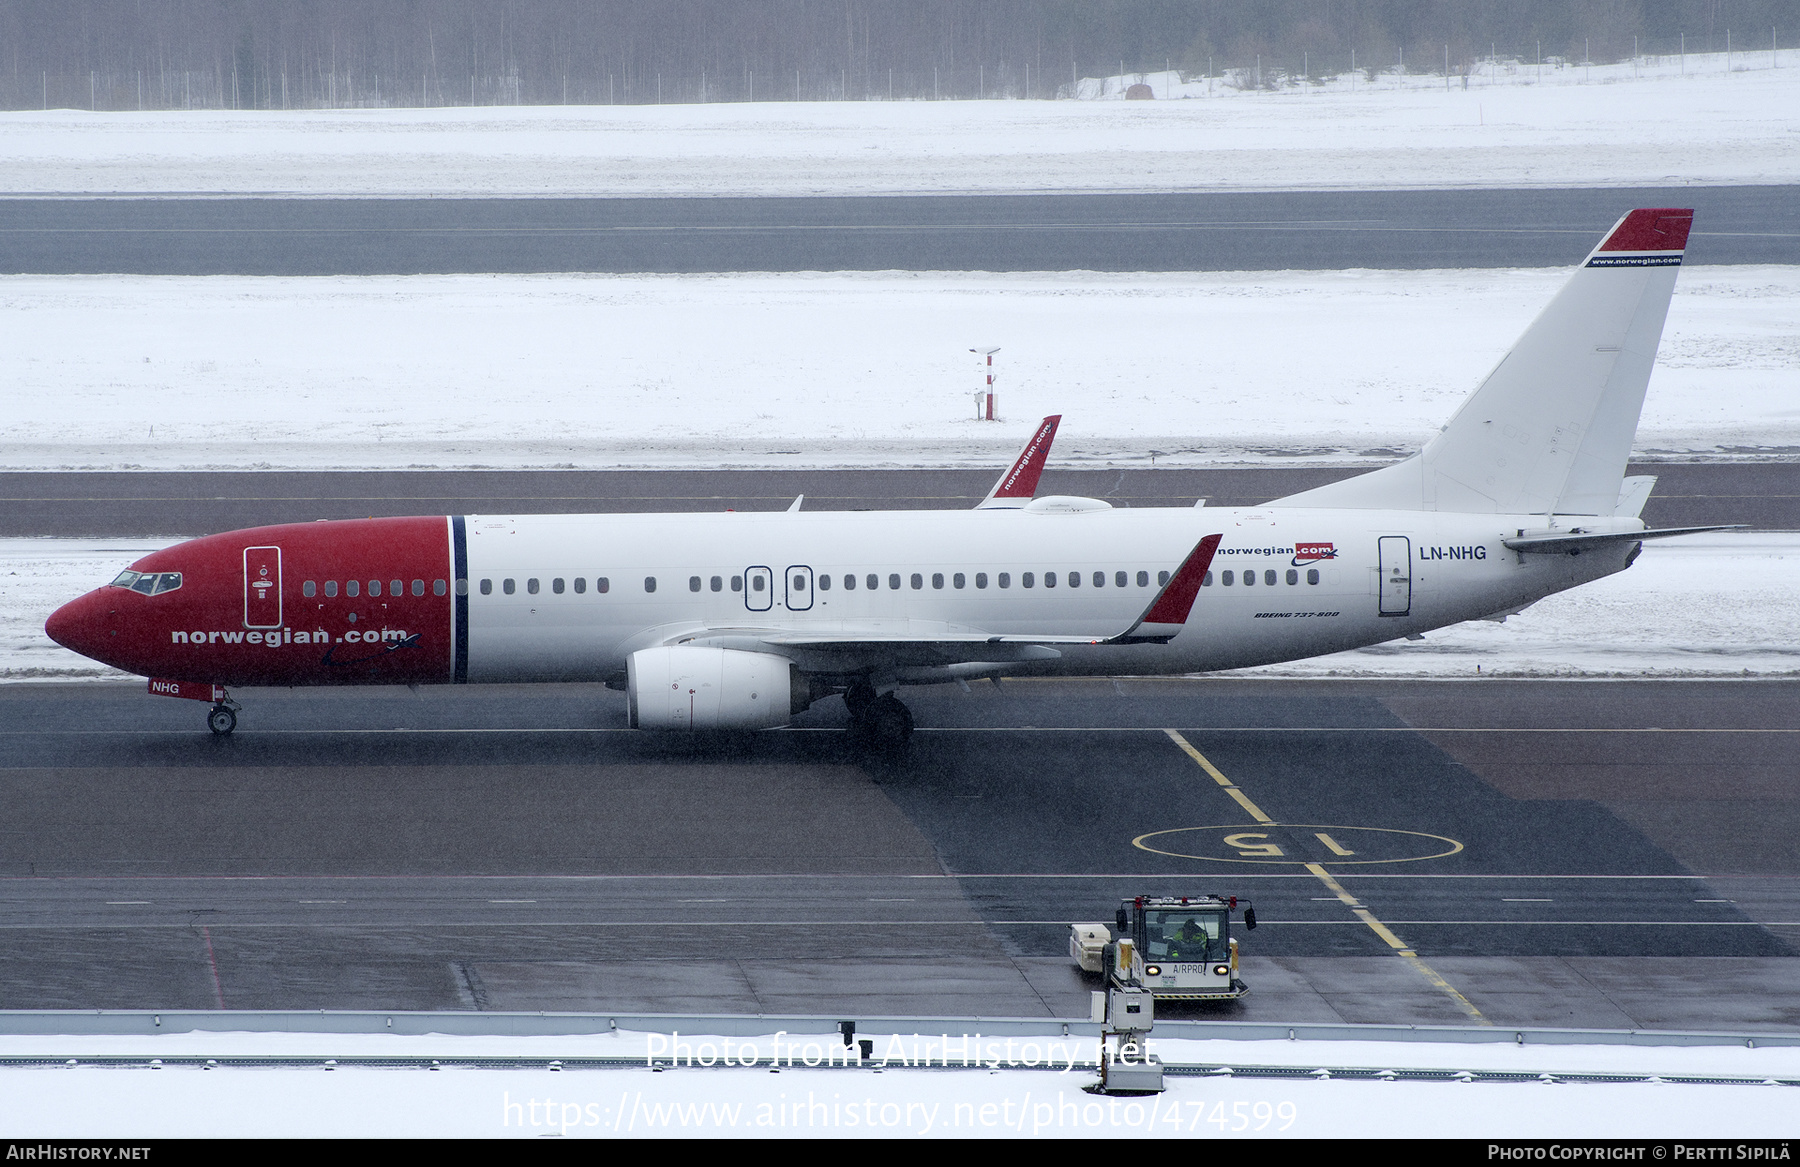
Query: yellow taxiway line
x: 1401, y: 949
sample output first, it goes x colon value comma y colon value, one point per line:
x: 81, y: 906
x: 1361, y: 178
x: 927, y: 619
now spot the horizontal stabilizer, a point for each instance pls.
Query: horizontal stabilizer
x: 1634, y: 492
x: 1578, y: 540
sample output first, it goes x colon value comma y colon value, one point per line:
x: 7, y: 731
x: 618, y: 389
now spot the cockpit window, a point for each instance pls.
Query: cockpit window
x: 149, y: 583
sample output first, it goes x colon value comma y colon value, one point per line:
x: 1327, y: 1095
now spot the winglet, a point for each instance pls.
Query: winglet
x: 1168, y: 612
x: 1020, y: 481
x: 1646, y: 237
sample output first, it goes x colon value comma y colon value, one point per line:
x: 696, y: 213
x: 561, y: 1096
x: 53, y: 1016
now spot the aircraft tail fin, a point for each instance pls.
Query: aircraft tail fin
x: 1550, y: 429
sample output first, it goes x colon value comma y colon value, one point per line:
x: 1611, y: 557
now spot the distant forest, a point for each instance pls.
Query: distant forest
x: 295, y: 54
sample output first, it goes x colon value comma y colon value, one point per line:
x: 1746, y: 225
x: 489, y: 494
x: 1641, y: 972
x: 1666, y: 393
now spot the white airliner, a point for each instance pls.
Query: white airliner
x: 744, y: 619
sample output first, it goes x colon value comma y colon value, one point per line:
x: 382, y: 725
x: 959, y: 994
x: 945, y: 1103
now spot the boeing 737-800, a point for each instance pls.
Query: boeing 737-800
x: 744, y: 619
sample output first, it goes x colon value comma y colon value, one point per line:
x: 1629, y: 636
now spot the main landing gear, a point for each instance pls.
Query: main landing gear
x: 878, y: 722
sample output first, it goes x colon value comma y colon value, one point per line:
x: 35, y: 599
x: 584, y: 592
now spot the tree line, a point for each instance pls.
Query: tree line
x: 263, y: 54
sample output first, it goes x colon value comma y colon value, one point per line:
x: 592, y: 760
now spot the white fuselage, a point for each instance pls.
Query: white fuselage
x: 962, y: 572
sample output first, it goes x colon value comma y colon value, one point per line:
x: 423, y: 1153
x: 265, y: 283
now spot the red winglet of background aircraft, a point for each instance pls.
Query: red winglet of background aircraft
x: 1019, y: 483
x: 1168, y: 612
x: 1648, y: 236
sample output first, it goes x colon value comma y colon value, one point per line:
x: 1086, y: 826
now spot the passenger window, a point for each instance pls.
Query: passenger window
x: 507, y: 586
x: 824, y: 583
x: 418, y: 588
x: 331, y: 588
x: 603, y: 585
x: 893, y: 583
x: 309, y: 589
x: 1293, y: 577
x: 1074, y: 579
x: 849, y: 583
x: 1162, y: 579
x: 351, y: 587
x: 918, y: 581
x: 531, y: 587
x: 1004, y: 579
x: 396, y: 587
x: 1205, y: 580
x: 1312, y: 575
x: 737, y: 583
x: 980, y: 579
x: 487, y: 587
x: 1025, y: 579
x: 1227, y: 579
x: 718, y: 584
x: 374, y: 587
x: 1118, y: 579
x: 872, y: 582
x: 556, y: 585
x: 462, y: 587
x: 1099, y: 579
x: 1143, y: 579
x: 1049, y: 579
x: 937, y: 580
x: 958, y: 580
x: 799, y: 583
x: 756, y: 583
x: 1269, y: 577
x: 580, y: 585
x: 693, y: 583
x: 650, y: 583
x: 1249, y: 578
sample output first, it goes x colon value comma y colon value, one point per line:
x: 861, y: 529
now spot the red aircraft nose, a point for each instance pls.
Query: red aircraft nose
x: 87, y: 625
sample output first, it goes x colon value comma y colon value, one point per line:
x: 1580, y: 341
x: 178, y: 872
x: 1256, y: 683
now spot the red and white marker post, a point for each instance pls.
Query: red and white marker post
x: 984, y: 398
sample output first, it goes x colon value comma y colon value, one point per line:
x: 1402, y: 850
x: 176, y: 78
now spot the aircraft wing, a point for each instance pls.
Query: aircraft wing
x: 918, y: 642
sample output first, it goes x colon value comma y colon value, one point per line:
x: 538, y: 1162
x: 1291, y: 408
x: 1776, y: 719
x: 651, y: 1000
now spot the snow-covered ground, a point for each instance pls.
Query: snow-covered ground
x: 1720, y: 605
x: 1643, y: 124
x: 839, y: 369
x: 877, y: 1101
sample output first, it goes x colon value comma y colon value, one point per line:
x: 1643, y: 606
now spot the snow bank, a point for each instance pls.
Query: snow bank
x: 1598, y: 127
x: 848, y: 369
x: 890, y: 1101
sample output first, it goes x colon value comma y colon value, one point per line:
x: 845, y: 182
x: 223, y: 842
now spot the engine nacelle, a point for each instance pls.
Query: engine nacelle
x: 690, y: 687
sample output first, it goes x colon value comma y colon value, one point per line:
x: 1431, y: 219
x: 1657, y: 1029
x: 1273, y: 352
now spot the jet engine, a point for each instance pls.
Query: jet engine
x: 690, y: 687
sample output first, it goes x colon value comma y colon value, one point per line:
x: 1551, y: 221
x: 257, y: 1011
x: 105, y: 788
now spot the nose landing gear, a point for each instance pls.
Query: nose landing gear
x: 221, y: 718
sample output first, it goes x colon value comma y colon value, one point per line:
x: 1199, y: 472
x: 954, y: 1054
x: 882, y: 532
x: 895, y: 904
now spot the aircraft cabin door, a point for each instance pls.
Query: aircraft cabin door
x: 262, y: 587
x: 799, y: 589
x: 759, y: 588
x: 1396, y: 575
